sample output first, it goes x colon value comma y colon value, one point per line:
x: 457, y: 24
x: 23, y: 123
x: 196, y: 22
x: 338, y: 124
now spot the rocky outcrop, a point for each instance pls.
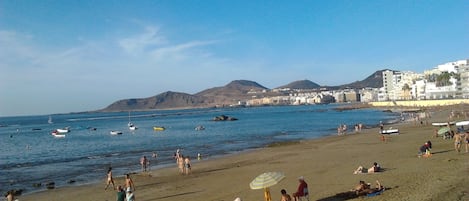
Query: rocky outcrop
x: 224, y: 118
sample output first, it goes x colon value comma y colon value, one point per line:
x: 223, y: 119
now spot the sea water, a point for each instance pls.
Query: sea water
x: 30, y: 155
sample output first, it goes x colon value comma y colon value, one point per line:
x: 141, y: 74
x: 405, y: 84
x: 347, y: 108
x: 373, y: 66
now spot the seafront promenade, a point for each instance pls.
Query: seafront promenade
x: 420, y: 103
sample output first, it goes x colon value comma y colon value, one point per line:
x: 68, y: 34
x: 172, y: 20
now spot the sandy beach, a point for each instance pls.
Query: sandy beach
x: 327, y: 165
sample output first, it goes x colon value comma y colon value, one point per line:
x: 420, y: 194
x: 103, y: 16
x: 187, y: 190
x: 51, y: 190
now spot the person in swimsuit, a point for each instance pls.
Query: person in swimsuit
x: 110, y: 180
x: 457, y: 142
x: 144, y: 163
x: 180, y: 161
x: 187, y: 163
x: 129, y: 184
x: 363, y: 188
x: 466, y: 139
x: 285, y: 196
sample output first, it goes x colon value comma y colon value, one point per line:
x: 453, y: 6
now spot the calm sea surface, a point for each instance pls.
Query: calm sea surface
x: 29, y: 154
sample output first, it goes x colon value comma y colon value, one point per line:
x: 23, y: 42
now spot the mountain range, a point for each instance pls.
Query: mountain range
x: 237, y: 90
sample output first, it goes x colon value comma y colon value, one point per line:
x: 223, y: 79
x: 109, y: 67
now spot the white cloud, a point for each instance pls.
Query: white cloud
x: 138, y: 43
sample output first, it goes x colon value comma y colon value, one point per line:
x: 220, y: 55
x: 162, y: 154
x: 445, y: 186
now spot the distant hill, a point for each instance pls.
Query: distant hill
x: 217, y: 96
x: 301, y: 84
x: 161, y: 101
x: 237, y: 90
x: 375, y: 80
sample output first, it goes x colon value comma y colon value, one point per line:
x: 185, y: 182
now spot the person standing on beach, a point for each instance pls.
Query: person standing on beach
x: 144, y: 163
x: 466, y: 140
x: 187, y: 163
x: 129, y: 184
x: 120, y: 194
x: 110, y: 180
x: 180, y: 161
x: 457, y: 142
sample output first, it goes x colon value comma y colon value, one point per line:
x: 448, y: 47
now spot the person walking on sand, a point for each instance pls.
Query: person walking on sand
x: 110, y: 180
x: 302, y: 193
x: 285, y: 196
x: 129, y: 184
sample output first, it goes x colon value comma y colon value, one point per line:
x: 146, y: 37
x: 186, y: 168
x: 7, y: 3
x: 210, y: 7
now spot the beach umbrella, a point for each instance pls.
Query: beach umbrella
x: 265, y: 180
x: 443, y: 130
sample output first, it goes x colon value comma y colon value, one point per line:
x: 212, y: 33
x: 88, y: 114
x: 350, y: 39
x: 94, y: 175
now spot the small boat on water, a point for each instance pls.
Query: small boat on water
x: 132, y: 127
x: 116, y: 133
x: 57, y: 134
x: 199, y: 128
x: 159, y: 128
x: 63, y: 130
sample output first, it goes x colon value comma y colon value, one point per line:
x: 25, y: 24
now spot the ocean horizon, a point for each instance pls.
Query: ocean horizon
x: 30, y: 155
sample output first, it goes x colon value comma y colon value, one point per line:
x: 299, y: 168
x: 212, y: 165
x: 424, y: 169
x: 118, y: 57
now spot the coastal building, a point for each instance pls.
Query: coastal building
x: 463, y: 82
x: 446, y: 81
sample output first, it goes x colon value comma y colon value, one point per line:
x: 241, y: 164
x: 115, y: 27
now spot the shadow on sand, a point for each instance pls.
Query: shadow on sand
x: 348, y: 195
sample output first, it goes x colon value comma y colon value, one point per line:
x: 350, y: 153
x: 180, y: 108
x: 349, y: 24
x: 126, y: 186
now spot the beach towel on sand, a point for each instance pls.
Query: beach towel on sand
x: 375, y: 193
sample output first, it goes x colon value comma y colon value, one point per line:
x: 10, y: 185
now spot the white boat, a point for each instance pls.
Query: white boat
x: 57, y: 134
x: 199, y: 128
x: 390, y: 131
x: 462, y: 123
x: 131, y: 126
x: 116, y: 133
x: 63, y: 130
x: 442, y: 123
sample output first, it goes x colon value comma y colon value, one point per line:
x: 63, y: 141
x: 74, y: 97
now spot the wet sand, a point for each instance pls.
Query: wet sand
x: 327, y: 165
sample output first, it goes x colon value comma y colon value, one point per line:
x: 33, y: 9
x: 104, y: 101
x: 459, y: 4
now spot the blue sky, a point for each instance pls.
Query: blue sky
x: 72, y: 56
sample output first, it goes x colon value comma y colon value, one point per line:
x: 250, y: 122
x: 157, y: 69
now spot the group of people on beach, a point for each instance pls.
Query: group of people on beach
x: 184, y: 163
x: 342, y: 128
x: 123, y: 193
x: 301, y: 193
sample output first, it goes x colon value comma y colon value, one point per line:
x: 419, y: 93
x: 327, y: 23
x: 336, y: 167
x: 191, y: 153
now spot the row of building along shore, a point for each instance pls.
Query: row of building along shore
x: 445, y: 84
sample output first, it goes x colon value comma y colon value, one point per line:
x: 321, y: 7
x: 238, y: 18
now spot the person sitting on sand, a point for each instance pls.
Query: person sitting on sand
x: 375, y: 168
x: 129, y: 195
x: 424, y: 150
x: 363, y: 188
x: 285, y: 196
x: 302, y: 193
